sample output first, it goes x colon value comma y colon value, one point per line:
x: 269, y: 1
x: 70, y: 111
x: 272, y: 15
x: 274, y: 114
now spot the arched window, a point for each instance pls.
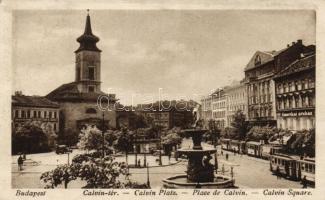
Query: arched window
x: 91, y: 111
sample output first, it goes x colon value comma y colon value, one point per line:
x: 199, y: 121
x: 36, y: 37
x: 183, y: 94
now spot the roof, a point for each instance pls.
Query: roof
x: 70, y: 92
x: 265, y: 57
x: 33, y: 101
x: 301, y: 64
x: 88, y: 40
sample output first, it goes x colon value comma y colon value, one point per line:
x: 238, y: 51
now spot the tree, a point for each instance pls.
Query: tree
x: 240, y: 124
x: 91, y: 138
x: 97, y: 172
x: 29, y: 138
x: 171, y: 138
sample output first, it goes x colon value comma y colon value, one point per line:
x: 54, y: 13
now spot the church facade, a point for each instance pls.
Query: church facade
x: 78, y: 100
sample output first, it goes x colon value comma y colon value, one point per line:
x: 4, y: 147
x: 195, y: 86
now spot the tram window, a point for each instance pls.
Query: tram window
x: 310, y: 168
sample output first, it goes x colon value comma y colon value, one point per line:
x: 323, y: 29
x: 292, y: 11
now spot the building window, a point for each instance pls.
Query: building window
x: 55, y: 115
x: 91, y: 73
x: 28, y: 113
x: 45, y: 114
x: 311, y: 83
x: 54, y: 126
x: 39, y: 114
x: 16, y: 114
x: 91, y: 89
x: 34, y: 114
x: 50, y: 114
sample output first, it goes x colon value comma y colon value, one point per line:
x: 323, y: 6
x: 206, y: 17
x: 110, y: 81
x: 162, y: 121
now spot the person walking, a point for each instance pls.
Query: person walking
x: 20, y: 162
x: 304, y: 182
x: 227, y: 156
x: 277, y: 172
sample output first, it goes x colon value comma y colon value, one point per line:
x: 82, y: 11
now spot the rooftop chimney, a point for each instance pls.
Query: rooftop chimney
x: 18, y: 93
x: 293, y: 43
x: 288, y: 45
x: 299, y: 41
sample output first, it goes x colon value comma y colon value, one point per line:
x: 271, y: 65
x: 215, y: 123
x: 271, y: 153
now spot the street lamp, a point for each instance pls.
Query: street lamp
x: 103, y: 136
x: 148, y: 181
x: 135, y: 148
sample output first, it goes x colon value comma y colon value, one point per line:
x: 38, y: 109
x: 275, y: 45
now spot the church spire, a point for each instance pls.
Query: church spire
x: 88, y: 40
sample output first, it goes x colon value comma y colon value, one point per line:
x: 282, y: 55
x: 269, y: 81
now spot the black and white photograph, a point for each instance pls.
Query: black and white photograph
x: 150, y: 101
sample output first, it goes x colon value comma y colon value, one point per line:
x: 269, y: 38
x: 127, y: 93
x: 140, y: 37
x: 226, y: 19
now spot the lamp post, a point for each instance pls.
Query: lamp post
x: 148, y: 181
x: 135, y: 148
x: 103, y: 136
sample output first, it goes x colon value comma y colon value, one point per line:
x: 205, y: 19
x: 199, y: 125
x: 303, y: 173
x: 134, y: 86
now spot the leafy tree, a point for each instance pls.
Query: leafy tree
x: 68, y: 137
x: 171, y: 138
x: 91, y: 138
x: 97, y: 172
x: 29, y: 138
x: 240, y: 124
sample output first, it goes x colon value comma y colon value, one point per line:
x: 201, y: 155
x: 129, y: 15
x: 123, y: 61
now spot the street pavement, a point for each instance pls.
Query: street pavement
x: 249, y: 172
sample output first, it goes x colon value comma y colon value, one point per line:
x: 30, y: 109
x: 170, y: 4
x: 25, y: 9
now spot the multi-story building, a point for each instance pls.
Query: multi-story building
x: 34, y: 109
x: 236, y: 100
x: 206, y: 108
x: 78, y: 100
x: 259, y: 74
x: 219, y: 108
x: 295, y: 94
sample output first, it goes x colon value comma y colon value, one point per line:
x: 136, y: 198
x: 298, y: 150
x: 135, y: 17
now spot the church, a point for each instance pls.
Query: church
x: 78, y: 100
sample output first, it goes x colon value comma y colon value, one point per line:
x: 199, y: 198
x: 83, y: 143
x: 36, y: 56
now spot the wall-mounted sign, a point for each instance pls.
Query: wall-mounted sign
x: 297, y: 113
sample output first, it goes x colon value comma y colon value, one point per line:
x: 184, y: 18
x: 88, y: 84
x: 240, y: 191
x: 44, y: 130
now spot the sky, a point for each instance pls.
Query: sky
x: 185, y: 53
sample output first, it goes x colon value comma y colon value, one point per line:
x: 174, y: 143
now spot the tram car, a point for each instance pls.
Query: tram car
x: 237, y: 146
x: 253, y: 148
x: 269, y: 149
x: 284, y: 165
x: 225, y: 144
x: 306, y: 167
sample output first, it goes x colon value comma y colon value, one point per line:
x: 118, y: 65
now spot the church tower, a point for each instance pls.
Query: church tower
x: 88, y: 61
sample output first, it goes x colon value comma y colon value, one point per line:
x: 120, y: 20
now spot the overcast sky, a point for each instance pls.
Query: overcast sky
x: 184, y: 52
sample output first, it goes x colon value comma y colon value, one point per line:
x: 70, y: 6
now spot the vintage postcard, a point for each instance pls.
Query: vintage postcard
x: 162, y: 100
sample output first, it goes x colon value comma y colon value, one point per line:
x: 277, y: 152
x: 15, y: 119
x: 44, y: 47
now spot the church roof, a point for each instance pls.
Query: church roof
x: 69, y: 92
x: 33, y: 101
x: 88, y: 40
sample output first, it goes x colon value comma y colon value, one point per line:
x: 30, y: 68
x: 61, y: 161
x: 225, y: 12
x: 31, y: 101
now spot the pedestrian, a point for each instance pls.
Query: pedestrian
x: 227, y: 156
x: 169, y: 156
x: 277, y: 172
x: 139, y: 162
x: 20, y: 162
x: 304, y: 182
x: 221, y: 152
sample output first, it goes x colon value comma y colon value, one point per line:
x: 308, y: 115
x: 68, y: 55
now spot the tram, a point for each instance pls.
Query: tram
x: 225, y: 144
x: 253, y: 148
x: 284, y: 165
x: 306, y: 167
x: 237, y: 146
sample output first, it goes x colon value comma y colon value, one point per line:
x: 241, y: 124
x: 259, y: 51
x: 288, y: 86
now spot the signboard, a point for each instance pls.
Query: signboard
x: 297, y: 113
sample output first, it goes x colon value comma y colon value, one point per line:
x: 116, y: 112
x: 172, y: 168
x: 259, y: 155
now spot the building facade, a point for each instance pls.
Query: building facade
x: 78, y: 100
x: 34, y: 109
x: 295, y: 94
x: 219, y: 108
x: 206, y: 108
x: 260, y: 88
x: 236, y: 100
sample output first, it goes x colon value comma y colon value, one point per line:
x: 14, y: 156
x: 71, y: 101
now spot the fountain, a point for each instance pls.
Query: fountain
x: 200, y: 172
